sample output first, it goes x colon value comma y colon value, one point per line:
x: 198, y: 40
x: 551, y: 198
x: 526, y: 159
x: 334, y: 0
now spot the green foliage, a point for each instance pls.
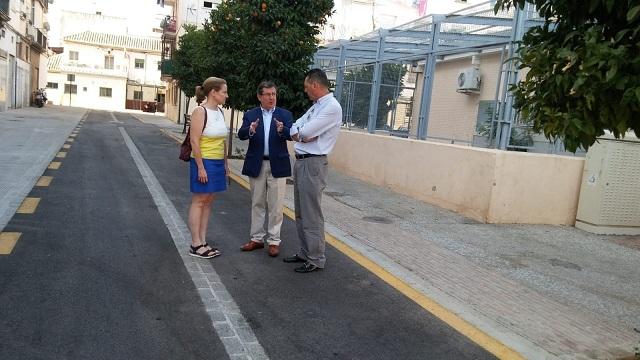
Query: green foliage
x: 583, y: 69
x: 362, y: 79
x: 247, y: 41
x: 189, y: 60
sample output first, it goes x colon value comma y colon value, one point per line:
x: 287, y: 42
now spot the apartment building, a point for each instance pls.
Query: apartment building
x: 107, y: 71
x: 23, y: 51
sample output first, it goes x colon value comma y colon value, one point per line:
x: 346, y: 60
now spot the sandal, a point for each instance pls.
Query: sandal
x: 208, y: 254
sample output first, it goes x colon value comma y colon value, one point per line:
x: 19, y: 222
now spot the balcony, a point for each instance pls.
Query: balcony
x: 38, y: 39
x: 169, y: 26
x: 4, y: 11
x: 166, y: 69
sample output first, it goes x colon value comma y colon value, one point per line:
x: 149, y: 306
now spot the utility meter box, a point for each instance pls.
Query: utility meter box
x: 610, y: 191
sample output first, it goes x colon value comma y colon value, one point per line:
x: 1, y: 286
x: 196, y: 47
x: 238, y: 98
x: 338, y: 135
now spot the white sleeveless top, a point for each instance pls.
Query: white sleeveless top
x: 215, y: 124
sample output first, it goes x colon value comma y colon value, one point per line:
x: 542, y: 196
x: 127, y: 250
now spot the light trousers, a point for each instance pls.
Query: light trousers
x: 267, y: 199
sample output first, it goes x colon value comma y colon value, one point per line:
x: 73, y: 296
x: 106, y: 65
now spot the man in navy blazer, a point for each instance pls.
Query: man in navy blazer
x: 267, y: 165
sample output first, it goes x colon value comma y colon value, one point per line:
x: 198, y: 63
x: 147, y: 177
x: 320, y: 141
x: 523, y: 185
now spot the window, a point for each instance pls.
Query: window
x: 74, y: 55
x: 208, y: 4
x: 52, y: 85
x: 137, y: 95
x: 70, y: 89
x: 106, y: 92
x: 84, y: 89
x: 71, y: 77
x: 108, y: 62
x: 161, y: 98
x: 159, y: 65
x: 139, y: 63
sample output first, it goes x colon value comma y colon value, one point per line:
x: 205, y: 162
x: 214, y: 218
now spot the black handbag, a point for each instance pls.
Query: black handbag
x: 185, y: 148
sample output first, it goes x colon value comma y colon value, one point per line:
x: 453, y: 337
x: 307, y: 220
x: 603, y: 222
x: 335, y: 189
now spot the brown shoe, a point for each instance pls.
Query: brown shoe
x: 274, y: 250
x: 252, y: 245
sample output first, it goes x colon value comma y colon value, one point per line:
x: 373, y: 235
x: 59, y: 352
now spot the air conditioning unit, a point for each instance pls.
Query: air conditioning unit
x: 469, y: 81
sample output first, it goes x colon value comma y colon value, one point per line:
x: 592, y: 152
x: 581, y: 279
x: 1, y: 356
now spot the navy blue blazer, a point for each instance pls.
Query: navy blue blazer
x: 278, y: 153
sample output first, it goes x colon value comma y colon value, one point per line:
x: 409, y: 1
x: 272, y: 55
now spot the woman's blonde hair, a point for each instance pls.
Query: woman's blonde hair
x: 212, y: 83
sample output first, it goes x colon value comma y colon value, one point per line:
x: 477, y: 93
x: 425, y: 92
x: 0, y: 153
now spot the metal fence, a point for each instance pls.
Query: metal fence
x: 398, y: 81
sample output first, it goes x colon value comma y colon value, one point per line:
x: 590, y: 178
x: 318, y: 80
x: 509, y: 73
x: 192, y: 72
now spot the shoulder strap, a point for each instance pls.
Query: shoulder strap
x: 205, y: 117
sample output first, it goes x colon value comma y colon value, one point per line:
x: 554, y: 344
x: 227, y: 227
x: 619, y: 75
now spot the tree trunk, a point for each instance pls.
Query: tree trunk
x: 229, y: 148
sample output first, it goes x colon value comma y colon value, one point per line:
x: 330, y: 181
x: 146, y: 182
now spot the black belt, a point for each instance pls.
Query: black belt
x: 304, y: 156
x: 265, y: 158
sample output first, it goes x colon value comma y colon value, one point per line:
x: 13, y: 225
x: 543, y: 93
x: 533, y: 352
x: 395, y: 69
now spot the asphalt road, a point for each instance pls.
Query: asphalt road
x: 96, y: 275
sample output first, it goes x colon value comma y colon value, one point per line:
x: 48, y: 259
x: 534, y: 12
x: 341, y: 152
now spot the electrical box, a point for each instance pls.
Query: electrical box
x: 469, y: 81
x: 610, y: 191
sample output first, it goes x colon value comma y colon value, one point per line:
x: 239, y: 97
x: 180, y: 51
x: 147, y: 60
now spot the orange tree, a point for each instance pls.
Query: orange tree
x: 584, y: 69
x: 248, y: 41
x: 190, y: 61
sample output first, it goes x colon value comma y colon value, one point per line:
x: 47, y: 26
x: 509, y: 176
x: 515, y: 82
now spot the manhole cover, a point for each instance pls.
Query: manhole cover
x: 377, y: 219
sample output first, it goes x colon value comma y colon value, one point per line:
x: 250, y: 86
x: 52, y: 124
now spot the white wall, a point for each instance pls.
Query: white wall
x: 89, y: 98
x: 150, y: 75
x: 42, y: 69
x: 193, y: 11
x: 91, y: 59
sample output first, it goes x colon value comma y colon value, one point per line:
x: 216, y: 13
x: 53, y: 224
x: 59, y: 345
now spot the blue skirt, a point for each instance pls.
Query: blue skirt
x: 215, y: 173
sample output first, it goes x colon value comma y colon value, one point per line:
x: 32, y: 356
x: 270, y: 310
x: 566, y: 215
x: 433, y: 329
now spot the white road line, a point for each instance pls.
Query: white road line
x: 233, y: 330
x: 115, y: 120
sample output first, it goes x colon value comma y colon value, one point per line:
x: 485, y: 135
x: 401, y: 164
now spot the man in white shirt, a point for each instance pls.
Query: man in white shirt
x: 315, y: 134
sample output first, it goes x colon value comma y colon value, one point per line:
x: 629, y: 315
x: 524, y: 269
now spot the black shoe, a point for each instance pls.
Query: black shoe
x: 307, y: 268
x: 294, y: 259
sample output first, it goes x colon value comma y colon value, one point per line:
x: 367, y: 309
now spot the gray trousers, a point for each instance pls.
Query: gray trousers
x: 309, y: 180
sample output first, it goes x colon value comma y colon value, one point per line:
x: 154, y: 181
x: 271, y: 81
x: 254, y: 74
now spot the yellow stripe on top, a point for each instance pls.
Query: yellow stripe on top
x: 212, y: 147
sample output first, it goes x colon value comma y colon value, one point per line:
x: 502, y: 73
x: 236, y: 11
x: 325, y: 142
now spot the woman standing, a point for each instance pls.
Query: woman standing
x: 209, y: 167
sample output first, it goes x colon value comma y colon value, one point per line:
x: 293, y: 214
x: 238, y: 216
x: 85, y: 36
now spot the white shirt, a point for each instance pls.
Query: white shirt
x: 323, y: 120
x: 267, y: 115
x: 215, y: 124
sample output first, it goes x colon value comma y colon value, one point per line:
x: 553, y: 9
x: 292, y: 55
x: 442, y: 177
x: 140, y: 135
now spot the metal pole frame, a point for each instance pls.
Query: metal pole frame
x: 375, y: 84
x: 340, y: 75
x: 511, y: 78
x: 429, y: 72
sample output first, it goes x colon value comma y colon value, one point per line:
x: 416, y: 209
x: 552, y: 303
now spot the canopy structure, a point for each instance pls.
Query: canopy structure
x: 427, y: 40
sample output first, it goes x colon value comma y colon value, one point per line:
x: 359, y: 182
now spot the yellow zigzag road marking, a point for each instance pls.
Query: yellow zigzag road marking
x: 44, y: 181
x: 7, y: 241
x: 29, y: 205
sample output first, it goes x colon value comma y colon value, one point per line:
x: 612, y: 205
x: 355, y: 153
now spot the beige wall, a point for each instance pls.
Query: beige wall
x: 453, y: 115
x: 484, y: 184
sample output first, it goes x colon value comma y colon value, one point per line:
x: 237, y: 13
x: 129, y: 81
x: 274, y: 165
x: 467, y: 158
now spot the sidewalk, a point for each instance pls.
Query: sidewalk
x: 544, y: 291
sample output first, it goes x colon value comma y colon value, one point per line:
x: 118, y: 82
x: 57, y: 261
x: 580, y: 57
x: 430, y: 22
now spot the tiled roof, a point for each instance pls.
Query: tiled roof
x: 129, y: 42
x: 54, y: 62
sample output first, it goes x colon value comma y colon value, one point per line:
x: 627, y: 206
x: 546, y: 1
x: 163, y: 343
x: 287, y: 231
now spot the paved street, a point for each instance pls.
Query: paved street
x: 93, y: 264
x: 96, y: 272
